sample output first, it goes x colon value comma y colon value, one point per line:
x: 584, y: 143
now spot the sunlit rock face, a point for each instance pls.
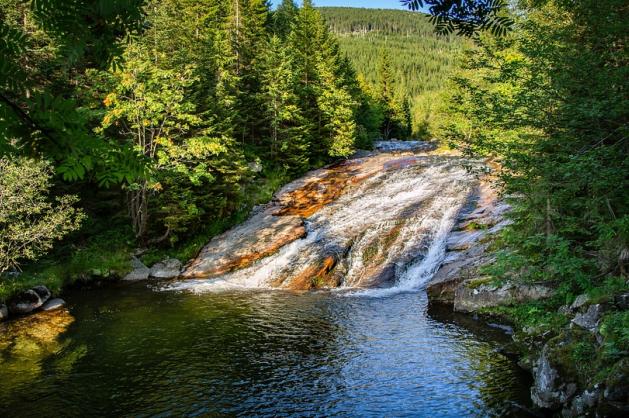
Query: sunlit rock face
x: 380, y: 221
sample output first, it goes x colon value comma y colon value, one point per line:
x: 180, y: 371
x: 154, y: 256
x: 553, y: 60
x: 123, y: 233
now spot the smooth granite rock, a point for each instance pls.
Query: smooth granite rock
x: 53, y: 304
x: 167, y: 269
x: 139, y: 271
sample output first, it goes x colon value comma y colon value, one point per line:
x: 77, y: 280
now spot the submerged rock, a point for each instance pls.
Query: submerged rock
x: 139, y: 271
x: 53, y: 304
x: 167, y: 269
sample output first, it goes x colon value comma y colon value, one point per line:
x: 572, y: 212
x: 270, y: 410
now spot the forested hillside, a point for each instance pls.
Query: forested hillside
x: 420, y: 61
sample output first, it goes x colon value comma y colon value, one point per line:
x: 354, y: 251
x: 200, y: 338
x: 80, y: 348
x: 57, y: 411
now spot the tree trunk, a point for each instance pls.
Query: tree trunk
x: 138, y: 210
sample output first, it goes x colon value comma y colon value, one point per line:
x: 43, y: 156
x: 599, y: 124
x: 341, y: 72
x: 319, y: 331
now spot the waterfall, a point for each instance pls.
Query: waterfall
x: 383, y: 235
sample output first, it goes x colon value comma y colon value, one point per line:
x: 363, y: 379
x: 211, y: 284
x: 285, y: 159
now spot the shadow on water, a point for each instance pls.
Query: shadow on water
x: 132, y: 351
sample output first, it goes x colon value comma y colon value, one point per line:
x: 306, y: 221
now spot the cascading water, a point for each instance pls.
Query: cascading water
x: 383, y: 235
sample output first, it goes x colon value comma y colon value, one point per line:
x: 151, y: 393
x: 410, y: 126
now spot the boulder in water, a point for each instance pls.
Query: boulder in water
x: 25, y: 303
x: 29, y: 300
x: 167, y: 269
x: 43, y: 292
x: 53, y: 304
x: 139, y: 271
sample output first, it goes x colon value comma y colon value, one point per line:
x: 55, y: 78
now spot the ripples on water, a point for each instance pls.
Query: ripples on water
x: 135, y: 352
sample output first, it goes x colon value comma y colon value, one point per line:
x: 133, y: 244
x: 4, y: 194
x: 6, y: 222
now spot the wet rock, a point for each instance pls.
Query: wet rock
x: 139, y: 271
x: 167, y: 269
x: 314, y: 276
x: 590, y: 319
x: 463, y: 240
x: 582, y: 403
x: 258, y: 237
x: 53, y: 304
x: 25, y: 303
x: 504, y: 328
x: 4, y: 312
x: 470, y: 298
x: 579, y: 302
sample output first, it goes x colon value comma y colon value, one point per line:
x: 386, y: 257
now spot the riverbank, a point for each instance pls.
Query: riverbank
x: 574, y: 346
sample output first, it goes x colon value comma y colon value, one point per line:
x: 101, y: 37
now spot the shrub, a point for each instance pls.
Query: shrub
x: 29, y: 220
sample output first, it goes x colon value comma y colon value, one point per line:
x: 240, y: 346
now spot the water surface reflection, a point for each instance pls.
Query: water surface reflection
x: 134, y: 352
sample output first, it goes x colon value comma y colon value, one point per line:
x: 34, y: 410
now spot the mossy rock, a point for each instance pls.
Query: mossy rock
x: 573, y: 353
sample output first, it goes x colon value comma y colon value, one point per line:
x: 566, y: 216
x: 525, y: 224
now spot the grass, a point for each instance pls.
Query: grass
x: 103, y: 257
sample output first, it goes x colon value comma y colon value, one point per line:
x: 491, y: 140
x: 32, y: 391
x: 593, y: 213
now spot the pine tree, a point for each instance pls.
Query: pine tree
x: 337, y: 109
x: 287, y: 128
x: 284, y: 17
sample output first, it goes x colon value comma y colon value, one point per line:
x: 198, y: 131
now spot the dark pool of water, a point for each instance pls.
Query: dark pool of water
x: 132, y: 351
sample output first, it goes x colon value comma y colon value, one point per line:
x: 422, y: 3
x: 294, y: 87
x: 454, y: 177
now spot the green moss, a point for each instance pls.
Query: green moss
x: 477, y: 282
x: 475, y: 226
x: 370, y: 252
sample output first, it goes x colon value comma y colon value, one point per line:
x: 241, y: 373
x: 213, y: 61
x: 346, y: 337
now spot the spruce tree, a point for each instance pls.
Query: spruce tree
x: 286, y: 127
x: 284, y: 17
x: 337, y: 108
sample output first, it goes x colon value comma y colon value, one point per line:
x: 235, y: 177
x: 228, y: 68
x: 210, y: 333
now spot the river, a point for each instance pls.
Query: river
x: 134, y: 351
x: 313, y: 307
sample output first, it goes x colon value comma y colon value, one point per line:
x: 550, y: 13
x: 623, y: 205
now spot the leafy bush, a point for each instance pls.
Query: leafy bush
x: 29, y: 221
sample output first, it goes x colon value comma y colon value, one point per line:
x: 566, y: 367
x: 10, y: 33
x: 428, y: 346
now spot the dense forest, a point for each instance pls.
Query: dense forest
x: 403, y: 47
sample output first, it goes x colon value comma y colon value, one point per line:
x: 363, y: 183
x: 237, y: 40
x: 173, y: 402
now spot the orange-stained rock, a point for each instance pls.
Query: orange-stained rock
x: 312, y: 277
x: 318, y: 192
x: 260, y: 236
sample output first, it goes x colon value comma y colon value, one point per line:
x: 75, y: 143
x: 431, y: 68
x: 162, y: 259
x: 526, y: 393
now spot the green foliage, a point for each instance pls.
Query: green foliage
x: 289, y: 129
x: 29, y: 221
x: 615, y: 331
x: 466, y: 17
x: 558, y: 129
x: 185, y: 112
x: 419, y: 61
